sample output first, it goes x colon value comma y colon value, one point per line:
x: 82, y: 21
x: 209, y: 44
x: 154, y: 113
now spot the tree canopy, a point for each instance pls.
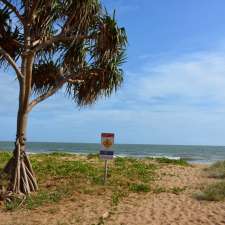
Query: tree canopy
x: 51, y: 44
x: 76, y: 42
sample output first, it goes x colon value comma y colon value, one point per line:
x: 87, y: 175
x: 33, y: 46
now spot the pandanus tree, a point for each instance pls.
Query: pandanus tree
x: 72, y: 45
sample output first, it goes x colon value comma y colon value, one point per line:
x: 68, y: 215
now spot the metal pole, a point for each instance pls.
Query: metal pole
x: 106, y: 171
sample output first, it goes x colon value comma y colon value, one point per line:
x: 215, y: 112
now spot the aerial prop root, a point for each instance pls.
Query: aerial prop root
x: 21, y: 175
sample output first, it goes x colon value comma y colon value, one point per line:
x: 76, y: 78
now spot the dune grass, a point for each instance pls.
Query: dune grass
x: 139, y: 188
x: 215, y: 191
x: 180, y: 162
x: 4, y: 157
x: 212, y: 192
x: 216, y: 170
x: 60, y: 175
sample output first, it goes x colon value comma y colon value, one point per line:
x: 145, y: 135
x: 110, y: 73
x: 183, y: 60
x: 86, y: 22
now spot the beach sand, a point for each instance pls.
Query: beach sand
x: 174, y: 206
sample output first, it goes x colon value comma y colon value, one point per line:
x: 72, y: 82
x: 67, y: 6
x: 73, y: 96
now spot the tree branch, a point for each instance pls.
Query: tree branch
x: 12, y: 63
x: 33, y: 9
x: 51, y: 92
x: 39, y: 44
x: 14, y: 9
x: 43, y: 97
x: 71, y: 81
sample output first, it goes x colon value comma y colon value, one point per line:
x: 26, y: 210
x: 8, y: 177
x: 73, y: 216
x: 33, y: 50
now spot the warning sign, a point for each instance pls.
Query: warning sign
x: 107, y: 141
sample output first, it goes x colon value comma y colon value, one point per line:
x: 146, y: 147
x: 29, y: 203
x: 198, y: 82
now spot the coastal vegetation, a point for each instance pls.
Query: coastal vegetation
x: 164, y: 160
x: 215, y: 191
x: 73, y: 46
x: 212, y: 192
x: 72, y: 190
x: 61, y: 174
x: 216, y: 170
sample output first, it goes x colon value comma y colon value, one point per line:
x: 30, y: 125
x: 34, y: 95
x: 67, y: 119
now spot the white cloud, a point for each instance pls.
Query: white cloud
x: 193, y: 80
x: 180, y: 101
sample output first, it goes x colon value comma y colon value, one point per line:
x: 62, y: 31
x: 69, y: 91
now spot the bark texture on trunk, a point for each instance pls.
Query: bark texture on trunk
x: 19, y: 169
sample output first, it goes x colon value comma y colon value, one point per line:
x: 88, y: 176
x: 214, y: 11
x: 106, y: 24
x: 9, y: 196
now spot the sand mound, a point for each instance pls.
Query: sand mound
x: 174, y: 205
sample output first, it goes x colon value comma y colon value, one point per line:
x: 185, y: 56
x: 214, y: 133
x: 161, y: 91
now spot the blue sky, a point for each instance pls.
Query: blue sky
x: 174, y: 88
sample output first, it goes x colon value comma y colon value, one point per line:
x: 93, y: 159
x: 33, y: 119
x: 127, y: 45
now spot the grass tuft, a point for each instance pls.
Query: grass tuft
x: 117, y: 196
x: 216, y: 170
x: 38, y: 199
x: 4, y: 157
x: 135, y: 169
x: 158, y: 190
x: 139, y: 188
x: 180, y: 162
x: 212, y: 192
x: 93, y: 156
x: 13, y: 204
x: 177, y: 190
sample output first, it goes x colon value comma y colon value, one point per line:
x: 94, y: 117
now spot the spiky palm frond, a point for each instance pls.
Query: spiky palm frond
x: 10, y: 38
x: 94, y: 55
x: 46, y: 75
x: 44, y: 17
x: 104, y: 74
x: 98, y: 81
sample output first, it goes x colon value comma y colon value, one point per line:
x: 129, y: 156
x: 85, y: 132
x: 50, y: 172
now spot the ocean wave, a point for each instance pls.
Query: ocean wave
x: 149, y: 156
x: 189, y: 159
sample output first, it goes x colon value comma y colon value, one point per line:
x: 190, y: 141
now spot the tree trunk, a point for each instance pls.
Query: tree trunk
x: 19, y: 169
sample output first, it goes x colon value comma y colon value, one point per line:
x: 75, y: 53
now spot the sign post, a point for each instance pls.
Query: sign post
x: 106, y: 171
x: 106, y: 152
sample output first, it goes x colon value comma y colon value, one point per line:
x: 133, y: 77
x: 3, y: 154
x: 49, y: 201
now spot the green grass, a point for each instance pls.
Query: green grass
x: 117, y: 196
x: 177, y: 190
x: 58, y: 154
x: 60, y: 174
x: 180, y: 162
x: 93, y: 156
x: 135, y: 169
x: 37, y: 200
x: 43, y: 197
x: 158, y: 190
x: 174, y: 190
x: 216, y: 191
x: 212, y: 192
x: 62, y: 168
x: 139, y: 188
x: 4, y: 157
x: 216, y: 170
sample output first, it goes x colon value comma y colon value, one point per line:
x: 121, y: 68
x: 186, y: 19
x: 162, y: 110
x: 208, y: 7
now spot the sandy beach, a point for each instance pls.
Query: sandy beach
x: 112, y: 112
x: 170, y: 201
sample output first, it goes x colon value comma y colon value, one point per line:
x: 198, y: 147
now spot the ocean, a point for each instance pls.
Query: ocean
x: 193, y: 154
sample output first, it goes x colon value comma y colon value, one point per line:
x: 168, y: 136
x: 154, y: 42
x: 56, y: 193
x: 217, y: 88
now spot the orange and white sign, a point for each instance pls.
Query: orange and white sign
x: 107, y: 141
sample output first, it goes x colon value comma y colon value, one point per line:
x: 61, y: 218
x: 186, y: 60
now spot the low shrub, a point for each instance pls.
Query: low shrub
x: 216, y: 170
x: 212, y: 192
x: 139, y: 188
